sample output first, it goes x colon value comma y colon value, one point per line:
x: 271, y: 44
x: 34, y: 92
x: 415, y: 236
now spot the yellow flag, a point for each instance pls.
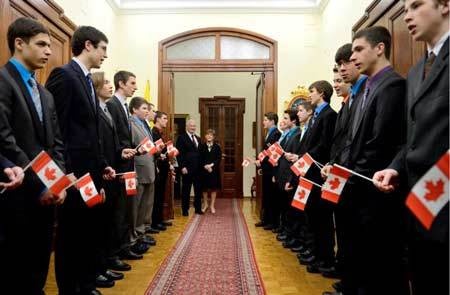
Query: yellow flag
x: 147, y: 91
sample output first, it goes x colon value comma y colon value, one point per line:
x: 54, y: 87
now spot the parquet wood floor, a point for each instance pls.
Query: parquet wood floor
x: 280, y: 271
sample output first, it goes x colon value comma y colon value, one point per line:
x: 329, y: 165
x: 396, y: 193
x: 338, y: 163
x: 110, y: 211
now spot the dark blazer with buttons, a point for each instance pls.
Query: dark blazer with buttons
x: 78, y: 116
x: 110, y: 142
x: 22, y: 136
x: 284, y: 173
x: 427, y: 131
x: 189, y: 156
x: 123, y: 130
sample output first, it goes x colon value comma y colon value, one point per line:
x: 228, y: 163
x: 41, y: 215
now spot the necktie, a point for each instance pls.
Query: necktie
x: 126, y: 110
x: 428, y: 64
x: 350, y: 100
x: 105, y: 110
x: 366, y: 94
x: 91, y: 87
x: 194, y: 140
x: 36, y: 97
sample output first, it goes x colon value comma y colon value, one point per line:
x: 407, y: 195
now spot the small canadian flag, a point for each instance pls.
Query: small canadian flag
x: 171, y: 150
x: 88, y: 191
x: 159, y: 144
x: 334, y: 184
x: 49, y: 173
x: 262, y: 155
x: 130, y: 183
x: 246, y: 162
x: 148, y: 146
x: 275, y: 152
x: 431, y: 193
x: 301, y: 167
x: 302, y: 193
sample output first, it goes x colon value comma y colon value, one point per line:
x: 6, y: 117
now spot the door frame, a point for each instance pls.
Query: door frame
x: 166, y: 68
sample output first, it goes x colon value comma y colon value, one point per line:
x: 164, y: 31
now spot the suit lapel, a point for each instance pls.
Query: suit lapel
x: 106, y: 119
x: 83, y: 82
x: 116, y: 100
x: 438, y: 66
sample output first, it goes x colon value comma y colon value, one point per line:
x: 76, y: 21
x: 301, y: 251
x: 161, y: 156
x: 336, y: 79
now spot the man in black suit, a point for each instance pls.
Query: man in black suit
x: 317, y: 143
x: 125, y: 85
x: 427, y: 140
x: 78, y: 114
x: 374, y: 229
x: 189, y: 161
x: 28, y: 125
x: 268, y: 212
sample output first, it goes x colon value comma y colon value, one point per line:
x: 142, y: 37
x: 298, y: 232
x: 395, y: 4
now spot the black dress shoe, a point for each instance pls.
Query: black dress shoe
x: 103, y: 282
x: 332, y: 293
x: 298, y: 249
x: 268, y: 227
x: 307, y: 260
x: 313, y: 267
x: 306, y: 252
x: 139, y: 248
x: 329, y: 272
x: 260, y: 224
x: 160, y: 227
x: 148, y: 240
x: 113, y: 275
x: 277, y: 230
x: 94, y: 292
x: 119, y: 265
x: 337, y: 286
x: 167, y: 223
x: 281, y: 237
x: 130, y: 255
x: 291, y: 243
x: 151, y: 230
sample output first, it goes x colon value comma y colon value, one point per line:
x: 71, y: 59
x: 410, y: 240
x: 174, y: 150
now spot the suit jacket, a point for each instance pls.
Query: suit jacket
x: 123, y: 129
x: 144, y: 164
x: 427, y: 131
x: 189, y: 156
x: 163, y: 165
x: 267, y: 168
x: 22, y: 136
x: 78, y: 120
x: 5, y: 163
x: 284, y: 173
x: 110, y: 142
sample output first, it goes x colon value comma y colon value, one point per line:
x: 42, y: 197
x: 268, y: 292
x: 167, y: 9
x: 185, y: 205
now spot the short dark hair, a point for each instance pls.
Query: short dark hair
x: 136, y: 102
x: 122, y: 76
x: 159, y: 114
x: 307, y: 105
x: 375, y: 35
x: 83, y: 34
x: 323, y: 87
x: 24, y: 28
x: 272, y: 117
x: 343, y: 53
x: 211, y: 131
x: 292, y: 115
x: 335, y: 70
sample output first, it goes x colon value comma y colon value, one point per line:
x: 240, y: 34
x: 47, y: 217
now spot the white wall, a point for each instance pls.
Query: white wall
x: 190, y: 86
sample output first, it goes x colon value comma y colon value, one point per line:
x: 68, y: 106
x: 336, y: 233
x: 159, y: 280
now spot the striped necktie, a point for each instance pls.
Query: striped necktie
x: 36, y: 97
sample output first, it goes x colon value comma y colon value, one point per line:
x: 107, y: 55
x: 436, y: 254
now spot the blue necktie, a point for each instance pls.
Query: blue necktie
x: 91, y: 87
x: 36, y: 97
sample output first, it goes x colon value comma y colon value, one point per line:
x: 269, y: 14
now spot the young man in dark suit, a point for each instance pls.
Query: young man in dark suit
x: 317, y: 143
x: 28, y: 125
x: 189, y: 162
x: 373, y: 225
x: 269, y: 215
x: 427, y: 140
x: 78, y: 114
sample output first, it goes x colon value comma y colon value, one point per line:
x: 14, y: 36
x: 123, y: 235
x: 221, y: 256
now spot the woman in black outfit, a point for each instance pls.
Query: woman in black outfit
x: 210, y: 156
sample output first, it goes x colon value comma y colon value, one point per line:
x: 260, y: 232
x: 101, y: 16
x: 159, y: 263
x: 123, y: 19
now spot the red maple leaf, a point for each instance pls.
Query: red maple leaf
x: 88, y: 191
x: 334, y: 184
x: 301, y: 194
x: 435, y: 190
x: 50, y: 173
x: 301, y: 164
x: 131, y: 183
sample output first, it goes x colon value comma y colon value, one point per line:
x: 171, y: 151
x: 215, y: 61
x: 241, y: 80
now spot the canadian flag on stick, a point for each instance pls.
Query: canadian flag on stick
x: 275, y: 152
x: 333, y: 185
x: 148, y: 146
x: 262, y: 155
x: 159, y: 144
x: 431, y: 193
x: 301, y: 167
x: 302, y: 193
x: 88, y: 191
x: 130, y: 183
x: 171, y: 150
x: 49, y: 173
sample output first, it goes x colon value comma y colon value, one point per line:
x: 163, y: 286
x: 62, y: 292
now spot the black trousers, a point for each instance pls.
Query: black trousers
x: 267, y: 210
x: 76, y: 253
x: 189, y: 180
x: 160, y: 189
x: 26, y: 232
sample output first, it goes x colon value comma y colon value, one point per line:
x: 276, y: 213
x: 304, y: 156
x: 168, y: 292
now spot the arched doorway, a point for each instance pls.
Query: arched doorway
x: 219, y: 50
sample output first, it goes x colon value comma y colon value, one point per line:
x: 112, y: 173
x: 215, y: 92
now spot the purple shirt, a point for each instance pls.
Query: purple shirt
x: 373, y: 80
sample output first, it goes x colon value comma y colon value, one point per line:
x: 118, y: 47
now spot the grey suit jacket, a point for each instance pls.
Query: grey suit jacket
x: 144, y: 164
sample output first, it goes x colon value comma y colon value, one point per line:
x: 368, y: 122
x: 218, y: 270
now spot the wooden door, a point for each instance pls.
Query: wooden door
x: 225, y: 115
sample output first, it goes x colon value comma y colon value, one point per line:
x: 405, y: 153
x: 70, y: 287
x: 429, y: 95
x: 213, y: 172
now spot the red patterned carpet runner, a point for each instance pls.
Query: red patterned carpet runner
x: 213, y: 256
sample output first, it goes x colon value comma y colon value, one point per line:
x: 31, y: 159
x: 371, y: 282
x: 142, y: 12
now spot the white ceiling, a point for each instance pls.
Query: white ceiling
x: 217, y: 6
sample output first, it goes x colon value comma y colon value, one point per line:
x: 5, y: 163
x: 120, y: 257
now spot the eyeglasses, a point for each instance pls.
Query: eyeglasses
x: 343, y: 63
